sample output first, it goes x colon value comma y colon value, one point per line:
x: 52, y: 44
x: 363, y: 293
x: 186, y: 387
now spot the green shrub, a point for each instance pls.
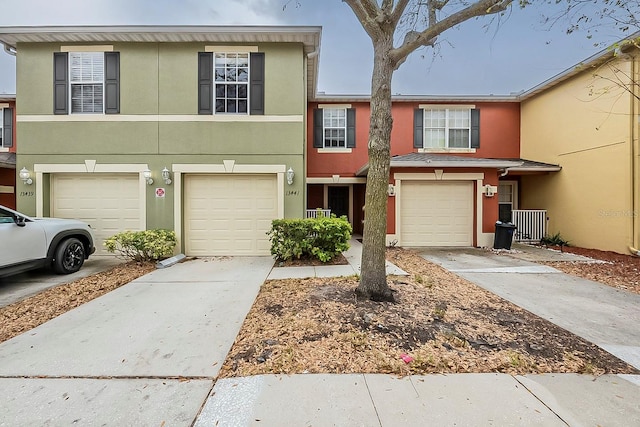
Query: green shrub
x: 322, y: 238
x: 148, y: 245
x: 554, y: 240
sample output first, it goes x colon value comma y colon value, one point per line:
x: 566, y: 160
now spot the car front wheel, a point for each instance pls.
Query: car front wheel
x: 69, y: 256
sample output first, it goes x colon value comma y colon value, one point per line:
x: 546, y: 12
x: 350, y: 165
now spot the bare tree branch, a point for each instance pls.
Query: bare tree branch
x: 429, y: 35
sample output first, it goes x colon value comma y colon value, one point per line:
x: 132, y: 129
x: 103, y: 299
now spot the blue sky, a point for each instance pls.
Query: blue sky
x: 511, y: 54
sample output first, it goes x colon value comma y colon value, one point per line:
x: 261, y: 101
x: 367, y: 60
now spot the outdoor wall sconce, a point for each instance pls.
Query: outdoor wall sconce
x: 25, y: 176
x: 490, y: 190
x: 166, y: 176
x: 290, y: 175
x: 391, y: 191
x: 147, y: 176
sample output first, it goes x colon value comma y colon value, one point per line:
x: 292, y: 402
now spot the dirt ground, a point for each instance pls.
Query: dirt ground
x: 440, y: 323
x: 620, y: 271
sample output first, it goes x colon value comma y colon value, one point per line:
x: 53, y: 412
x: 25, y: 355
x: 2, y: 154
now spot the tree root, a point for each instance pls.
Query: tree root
x: 384, y: 296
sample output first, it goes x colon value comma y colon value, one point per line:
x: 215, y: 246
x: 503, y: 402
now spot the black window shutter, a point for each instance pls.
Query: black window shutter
x: 318, y: 128
x: 475, y: 128
x: 112, y: 82
x: 7, y: 130
x: 60, y: 83
x: 418, y: 128
x: 205, y: 83
x: 351, y: 127
x: 256, y: 81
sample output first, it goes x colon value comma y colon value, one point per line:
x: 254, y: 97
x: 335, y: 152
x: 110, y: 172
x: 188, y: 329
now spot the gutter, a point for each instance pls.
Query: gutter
x: 10, y: 50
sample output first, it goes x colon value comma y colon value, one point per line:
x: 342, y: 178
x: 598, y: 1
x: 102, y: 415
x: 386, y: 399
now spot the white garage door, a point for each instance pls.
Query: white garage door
x: 436, y: 214
x: 109, y: 203
x: 229, y: 214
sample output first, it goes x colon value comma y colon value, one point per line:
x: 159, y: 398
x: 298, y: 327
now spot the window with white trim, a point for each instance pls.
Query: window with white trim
x: 6, y: 128
x: 447, y: 128
x: 334, y: 127
x: 86, y: 81
x: 231, y: 76
x: 231, y: 83
x: 1, y: 127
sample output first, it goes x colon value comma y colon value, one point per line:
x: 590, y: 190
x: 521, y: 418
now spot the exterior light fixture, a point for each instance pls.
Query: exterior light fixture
x: 290, y: 175
x: 166, y: 176
x: 147, y: 176
x: 25, y: 176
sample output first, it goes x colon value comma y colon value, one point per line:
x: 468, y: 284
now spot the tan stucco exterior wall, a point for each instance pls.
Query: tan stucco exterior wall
x: 586, y: 125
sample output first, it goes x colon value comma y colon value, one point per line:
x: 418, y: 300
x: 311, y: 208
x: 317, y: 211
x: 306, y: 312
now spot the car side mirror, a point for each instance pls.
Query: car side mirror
x: 19, y: 220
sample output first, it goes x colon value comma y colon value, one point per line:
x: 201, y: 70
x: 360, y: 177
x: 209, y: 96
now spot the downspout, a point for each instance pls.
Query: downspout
x: 10, y: 50
x: 503, y: 174
x: 634, y: 163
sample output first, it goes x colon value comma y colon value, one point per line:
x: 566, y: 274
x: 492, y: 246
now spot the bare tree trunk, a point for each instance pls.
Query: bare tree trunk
x: 373, y: 279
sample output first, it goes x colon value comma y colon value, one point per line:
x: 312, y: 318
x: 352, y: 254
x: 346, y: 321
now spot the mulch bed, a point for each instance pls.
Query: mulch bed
x: 441, y: 323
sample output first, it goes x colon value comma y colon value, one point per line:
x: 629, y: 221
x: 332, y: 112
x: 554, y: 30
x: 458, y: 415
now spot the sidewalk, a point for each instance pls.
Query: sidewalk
x: 438, y: 400
x: 605, y: 316
x: 149, y: 353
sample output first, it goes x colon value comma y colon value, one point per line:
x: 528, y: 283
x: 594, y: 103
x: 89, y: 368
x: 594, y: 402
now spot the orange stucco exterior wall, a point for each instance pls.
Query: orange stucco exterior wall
x: 499, y: 137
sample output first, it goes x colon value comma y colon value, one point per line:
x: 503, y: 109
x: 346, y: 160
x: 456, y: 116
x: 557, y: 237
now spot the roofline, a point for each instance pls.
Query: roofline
x: 471, y: 163
x: 308, y: 36
x: 322, y: 97
x: 535, y: 169
x: 591, y: 62
x: 60, y: 30
x: 8, y: 96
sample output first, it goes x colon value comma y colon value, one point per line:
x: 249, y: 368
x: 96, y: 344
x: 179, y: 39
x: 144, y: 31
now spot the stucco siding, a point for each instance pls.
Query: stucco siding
x: 584, y: 125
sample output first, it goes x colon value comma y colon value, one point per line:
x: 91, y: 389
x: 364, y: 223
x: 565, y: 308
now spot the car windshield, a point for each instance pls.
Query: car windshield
x: 5, y: 217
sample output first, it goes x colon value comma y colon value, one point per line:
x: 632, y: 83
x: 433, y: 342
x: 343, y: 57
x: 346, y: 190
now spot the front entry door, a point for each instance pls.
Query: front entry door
x: 338, y: 200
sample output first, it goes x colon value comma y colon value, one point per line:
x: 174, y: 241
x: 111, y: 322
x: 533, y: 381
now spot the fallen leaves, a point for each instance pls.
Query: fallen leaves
x: 24, y: 315
x: 440, y: 324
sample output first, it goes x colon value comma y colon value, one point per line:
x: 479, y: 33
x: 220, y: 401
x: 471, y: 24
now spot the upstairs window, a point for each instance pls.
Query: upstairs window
x: 231, y: 83
x: 334, y: 128
x: 6, y: 127
x: 86, y: 78
x: 86, y: 82
x: 446, y: 128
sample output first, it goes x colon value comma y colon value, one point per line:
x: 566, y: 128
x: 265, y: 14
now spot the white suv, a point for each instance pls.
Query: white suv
x: 29, y: 243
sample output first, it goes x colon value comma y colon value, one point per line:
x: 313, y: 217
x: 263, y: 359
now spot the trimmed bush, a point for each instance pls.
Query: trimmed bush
x: 322, y: 238
x: 148, y: 245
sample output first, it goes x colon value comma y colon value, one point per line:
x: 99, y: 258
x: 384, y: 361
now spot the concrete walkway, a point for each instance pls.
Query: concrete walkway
x: 148, y: 354
x: 603, y: 315
x: 145, y: 354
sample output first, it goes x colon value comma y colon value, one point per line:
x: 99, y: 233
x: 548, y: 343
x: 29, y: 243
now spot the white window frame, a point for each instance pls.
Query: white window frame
x: 85, y: 82
x: 447, y: 127
x: 229, y: 83
x: 326, y: 128
x: 2, y: 147
x: 514, y: 194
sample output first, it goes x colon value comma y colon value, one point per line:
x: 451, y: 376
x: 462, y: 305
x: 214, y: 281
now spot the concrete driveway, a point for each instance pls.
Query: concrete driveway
x: 146, y: 353
x: 20, y: 286
x: 603, y: 315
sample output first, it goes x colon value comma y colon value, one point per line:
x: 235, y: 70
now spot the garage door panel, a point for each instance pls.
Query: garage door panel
x: 229, y: 214
x: 109, y: 203
x: 436, y: 214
